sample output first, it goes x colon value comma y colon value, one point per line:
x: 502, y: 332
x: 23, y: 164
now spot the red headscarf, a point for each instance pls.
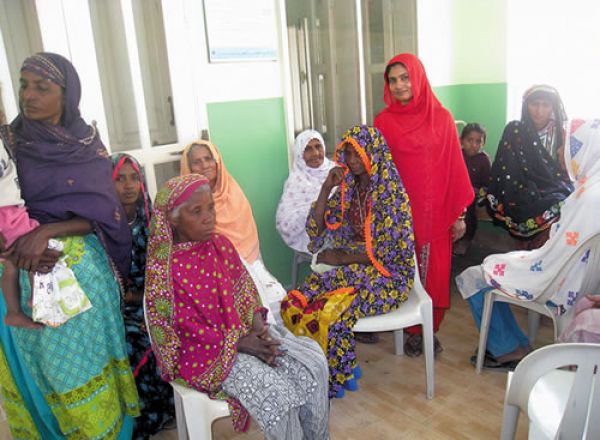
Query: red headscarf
x: 425, y: 147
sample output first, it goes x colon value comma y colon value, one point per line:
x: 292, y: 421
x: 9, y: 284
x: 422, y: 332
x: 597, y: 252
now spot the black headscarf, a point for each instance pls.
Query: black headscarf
x: 527, y: 186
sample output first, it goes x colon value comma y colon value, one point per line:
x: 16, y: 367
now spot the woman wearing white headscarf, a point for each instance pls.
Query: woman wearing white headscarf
x: 301, y: 188
x: 526, y: 274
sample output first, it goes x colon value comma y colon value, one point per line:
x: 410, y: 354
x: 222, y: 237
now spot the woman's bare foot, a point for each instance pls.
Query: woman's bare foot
x: 20, y: 319
x: 515, y: 355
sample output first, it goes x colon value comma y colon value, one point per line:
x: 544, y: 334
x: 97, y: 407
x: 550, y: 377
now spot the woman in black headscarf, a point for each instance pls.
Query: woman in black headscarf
x: 528, y: 184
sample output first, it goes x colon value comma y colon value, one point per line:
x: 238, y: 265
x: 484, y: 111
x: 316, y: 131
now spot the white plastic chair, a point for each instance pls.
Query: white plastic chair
x: 297, y: 259
x: 560, y: 404
x: 194, y: 411
x: 539, y: 305
x: 417, y: 309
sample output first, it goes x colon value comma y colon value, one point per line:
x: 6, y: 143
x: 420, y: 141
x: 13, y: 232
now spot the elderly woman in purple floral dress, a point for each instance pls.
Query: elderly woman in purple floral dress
x: 364, y: 239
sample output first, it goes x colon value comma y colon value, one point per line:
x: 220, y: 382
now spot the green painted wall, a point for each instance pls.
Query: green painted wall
x: 479, y: 41
x: 251, y: 138
x: 483, y: 103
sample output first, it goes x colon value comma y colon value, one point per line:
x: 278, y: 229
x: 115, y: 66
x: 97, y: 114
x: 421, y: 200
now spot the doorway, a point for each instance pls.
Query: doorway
x: 338, y: 51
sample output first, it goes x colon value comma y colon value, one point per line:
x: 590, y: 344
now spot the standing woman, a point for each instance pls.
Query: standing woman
x: 528, y: 185
x: 73, y: 380
x: 424, y: 143
x: 156, y: 396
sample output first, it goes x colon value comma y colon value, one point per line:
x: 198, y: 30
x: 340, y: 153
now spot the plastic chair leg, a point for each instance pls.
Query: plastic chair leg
x: 199, y: 419
x: 486, y: 317
x: 429, y: 358
x: 294, y: 271
x: 510, y: 419
x: 399, y: 342
x: 182, y: 433
x: 533, y: 324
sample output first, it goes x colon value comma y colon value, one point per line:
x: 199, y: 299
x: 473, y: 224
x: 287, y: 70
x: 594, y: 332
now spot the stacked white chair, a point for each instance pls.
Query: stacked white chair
x: 560, y: 404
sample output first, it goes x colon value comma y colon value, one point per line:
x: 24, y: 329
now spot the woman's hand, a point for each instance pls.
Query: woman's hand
x: 261, y: 345
x: 334, y: 178
x: 458, y: 229
x: 28, y: 250
x: 331, y: 257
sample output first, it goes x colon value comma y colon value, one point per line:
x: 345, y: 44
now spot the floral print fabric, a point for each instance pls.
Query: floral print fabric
x: 379, y: 287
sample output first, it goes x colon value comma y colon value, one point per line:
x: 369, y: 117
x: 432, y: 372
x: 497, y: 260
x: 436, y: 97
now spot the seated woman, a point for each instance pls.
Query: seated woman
x: 73, y: 380
x: 526, y: 274
x: 208, y: 326
x: 156, y: 396
x: 234, y: 218
x: 301, y: 188
x: 527, y: 185
x: 365, y: 232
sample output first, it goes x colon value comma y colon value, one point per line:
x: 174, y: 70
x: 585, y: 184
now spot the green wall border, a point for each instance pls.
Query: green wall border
x: 483, y: 103
x: 251, y: 137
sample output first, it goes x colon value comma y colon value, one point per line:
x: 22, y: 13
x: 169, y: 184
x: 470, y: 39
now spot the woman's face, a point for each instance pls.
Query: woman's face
x: 472, y: 143
x: 127, y: 184
x: 399, y: 84
x: 353, y: 160
x: 540, y: 112
x: 203, y: 162
x: 314, y: 153
x: 40, y: 99
x: 196, y: 220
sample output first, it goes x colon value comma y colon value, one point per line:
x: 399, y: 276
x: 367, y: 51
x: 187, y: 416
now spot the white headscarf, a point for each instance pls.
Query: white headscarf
x: 526, y: 274
x: 300, y: 190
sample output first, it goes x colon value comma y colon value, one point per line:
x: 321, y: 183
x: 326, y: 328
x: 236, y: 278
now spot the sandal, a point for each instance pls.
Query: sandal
x: 413, y: 346
x: 491, y: 363
x: 437, y: 346
x: 367, y: 337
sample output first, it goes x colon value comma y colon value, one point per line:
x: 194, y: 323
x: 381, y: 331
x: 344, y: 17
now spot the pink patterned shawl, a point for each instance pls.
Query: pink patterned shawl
x: 200, y: 302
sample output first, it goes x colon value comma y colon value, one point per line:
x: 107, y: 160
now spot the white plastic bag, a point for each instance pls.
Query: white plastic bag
x: 57, y: 296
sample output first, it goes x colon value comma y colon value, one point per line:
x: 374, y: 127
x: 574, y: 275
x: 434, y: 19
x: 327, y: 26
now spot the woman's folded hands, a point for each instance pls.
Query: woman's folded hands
x: 259, y: 343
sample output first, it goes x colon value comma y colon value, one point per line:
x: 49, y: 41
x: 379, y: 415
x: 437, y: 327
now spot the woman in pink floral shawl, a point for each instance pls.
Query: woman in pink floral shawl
x: 208, y: 325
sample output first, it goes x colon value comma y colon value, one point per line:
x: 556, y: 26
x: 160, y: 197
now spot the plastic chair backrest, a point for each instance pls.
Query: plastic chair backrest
x: 580, y: 419
x: 417, y: 279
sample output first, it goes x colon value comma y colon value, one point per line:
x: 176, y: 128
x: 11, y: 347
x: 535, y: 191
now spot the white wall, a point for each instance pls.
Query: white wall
x: 462, y: 41
x: 435, y: 39
x: 557, y: 43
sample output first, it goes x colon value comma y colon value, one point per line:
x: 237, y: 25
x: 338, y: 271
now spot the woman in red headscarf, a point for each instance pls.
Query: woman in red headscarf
x: 424, y: 143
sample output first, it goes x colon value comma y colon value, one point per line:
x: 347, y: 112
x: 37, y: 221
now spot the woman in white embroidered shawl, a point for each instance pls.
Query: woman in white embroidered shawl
x: 301, y: 188
x: 526, y: 274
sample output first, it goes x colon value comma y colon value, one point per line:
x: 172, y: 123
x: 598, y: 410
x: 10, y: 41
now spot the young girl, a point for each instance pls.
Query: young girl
x: 472, y: 139
x: 50, y: 308
x: 14, y: 222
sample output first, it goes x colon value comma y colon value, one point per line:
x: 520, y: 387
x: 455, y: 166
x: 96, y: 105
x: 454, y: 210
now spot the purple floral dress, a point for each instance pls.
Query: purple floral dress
x: 388, y: 241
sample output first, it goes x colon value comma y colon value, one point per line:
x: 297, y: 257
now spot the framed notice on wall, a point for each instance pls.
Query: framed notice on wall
x: 241, y: 30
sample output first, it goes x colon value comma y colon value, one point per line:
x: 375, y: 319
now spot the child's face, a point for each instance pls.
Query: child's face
x: 473, y: 143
